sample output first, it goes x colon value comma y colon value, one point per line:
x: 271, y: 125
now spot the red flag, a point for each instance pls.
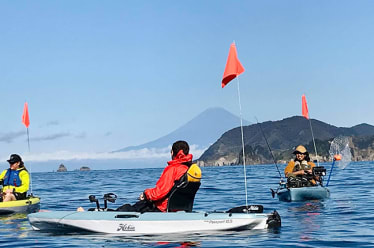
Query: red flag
x: 25, y: 116
x: 304, y: 107
x: 233, y: 66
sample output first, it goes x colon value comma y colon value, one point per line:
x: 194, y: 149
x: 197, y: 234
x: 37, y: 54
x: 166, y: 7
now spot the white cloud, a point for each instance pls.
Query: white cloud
x: 11, y: 136
x: 144, y: 153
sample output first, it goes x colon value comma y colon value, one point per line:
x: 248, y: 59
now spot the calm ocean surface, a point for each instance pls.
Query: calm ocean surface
x: 344, y: 220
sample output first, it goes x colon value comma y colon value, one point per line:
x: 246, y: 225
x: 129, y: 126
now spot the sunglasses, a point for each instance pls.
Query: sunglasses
x: 300, y: 153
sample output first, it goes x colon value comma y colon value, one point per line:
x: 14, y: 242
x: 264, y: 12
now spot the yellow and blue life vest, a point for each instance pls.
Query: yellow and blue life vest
x: 12, y: 178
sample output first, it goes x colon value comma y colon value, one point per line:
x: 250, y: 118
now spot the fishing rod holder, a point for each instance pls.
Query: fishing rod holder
x: 92, y: 198
x: 111, y: 197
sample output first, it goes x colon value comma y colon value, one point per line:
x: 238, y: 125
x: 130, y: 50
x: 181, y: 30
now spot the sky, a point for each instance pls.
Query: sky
x: 99, y: 76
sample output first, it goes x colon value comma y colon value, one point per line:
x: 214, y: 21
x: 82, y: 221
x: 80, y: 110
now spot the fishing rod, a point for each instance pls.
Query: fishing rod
x: 271, y: 152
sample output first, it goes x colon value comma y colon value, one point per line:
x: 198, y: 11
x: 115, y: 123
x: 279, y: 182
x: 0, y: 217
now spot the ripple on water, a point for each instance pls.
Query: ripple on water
x: 346, y: 219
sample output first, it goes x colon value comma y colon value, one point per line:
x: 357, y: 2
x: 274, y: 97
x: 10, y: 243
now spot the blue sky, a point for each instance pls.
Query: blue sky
x: 102, y: 75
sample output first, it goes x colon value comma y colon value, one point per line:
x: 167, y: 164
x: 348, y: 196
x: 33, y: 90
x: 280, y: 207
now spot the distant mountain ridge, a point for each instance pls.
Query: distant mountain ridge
x: 203, y: 130
x: 282, y: 136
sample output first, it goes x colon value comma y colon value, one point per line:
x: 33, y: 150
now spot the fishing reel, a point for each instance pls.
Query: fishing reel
x: 111, y: 197
x: 319, y: 171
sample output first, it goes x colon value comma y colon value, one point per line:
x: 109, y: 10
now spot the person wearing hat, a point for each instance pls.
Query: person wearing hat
x: 15, y: 180
x: 301, y: 166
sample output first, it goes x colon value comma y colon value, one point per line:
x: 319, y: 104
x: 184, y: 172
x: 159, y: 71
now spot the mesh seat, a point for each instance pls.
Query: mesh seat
x: 182, y: 196
x: 183, y: 193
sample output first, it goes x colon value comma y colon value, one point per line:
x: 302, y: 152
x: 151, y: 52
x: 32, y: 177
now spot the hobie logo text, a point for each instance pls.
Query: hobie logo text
x: 253, y: 208
x: 125, y: 228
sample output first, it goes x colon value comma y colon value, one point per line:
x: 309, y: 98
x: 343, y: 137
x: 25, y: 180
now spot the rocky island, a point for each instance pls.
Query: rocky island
x: 62, y: 168
x: 85, y: 168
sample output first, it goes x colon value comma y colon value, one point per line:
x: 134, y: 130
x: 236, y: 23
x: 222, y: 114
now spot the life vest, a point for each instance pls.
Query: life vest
x: 304, y: 165
x: 194, y: 173
x: 12, y: 178
x: 303, y: 180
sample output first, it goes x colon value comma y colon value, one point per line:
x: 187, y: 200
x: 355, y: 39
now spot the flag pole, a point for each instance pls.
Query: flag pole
x: 242, y: 133
x: 314, y: 143
x: 26, y: 122
x: 232, y: 70
x: 28, y: 143
x: 305, y: 113
x: 28, y: 139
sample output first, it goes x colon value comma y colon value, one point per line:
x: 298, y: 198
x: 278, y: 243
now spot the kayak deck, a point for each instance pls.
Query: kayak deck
x: 303, y: 193
x: 29, y: 205
x: 133, y: 223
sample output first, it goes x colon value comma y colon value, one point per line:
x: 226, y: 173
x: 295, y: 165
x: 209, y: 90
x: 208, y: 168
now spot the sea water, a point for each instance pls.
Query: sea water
x: 346, y: 219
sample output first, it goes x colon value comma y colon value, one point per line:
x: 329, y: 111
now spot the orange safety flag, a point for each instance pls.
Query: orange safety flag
x: 233, y: 66
x: 25, y: 116
x: 304, y: 107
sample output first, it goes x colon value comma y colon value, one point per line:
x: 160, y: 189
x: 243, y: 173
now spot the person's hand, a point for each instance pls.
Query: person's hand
x: 8, y: 191
x: 300, y: 172
x: 309, y: 171
x: 141, y: 196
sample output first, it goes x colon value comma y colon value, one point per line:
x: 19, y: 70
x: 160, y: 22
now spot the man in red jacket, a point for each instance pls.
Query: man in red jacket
x: 156, y: 199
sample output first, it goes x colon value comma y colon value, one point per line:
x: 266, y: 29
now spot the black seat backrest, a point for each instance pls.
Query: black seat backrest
x: 183, y: 193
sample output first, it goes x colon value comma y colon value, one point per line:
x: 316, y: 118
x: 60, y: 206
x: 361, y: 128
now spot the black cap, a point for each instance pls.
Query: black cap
x: 14, y: 158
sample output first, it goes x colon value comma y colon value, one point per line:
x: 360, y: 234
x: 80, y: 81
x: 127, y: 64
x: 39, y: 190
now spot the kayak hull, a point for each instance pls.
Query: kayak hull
x: 132, y: 223
x: 30, y: 205
x: 303, y: 194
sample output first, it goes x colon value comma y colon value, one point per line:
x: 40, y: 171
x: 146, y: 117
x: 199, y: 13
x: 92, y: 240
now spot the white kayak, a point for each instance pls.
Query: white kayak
x: 29, y: 205
x: 134, y: 223
x: 303, y: 193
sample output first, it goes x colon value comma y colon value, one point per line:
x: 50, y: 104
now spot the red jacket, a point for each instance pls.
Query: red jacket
x: 174, y: 171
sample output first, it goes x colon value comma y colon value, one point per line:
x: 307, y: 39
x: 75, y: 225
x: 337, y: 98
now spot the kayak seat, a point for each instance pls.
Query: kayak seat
x: 182, y: 195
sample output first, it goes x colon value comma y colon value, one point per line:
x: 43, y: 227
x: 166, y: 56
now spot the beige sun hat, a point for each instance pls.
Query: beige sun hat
x: 300, y: 149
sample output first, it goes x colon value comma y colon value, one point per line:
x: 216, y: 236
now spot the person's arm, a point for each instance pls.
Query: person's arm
x: 25, y: 179
x: 311, y: 168
x: 288, y: 171
x: 2, y: 175
x: 298, y: 173
x: 312, y: 165
x: 289, y: 168
x: 163, y: 186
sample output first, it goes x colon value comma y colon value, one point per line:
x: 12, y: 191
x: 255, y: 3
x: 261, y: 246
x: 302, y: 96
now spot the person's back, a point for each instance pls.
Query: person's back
x: 177, y: 167
x: 182, y: 195
x: 156, y: 199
